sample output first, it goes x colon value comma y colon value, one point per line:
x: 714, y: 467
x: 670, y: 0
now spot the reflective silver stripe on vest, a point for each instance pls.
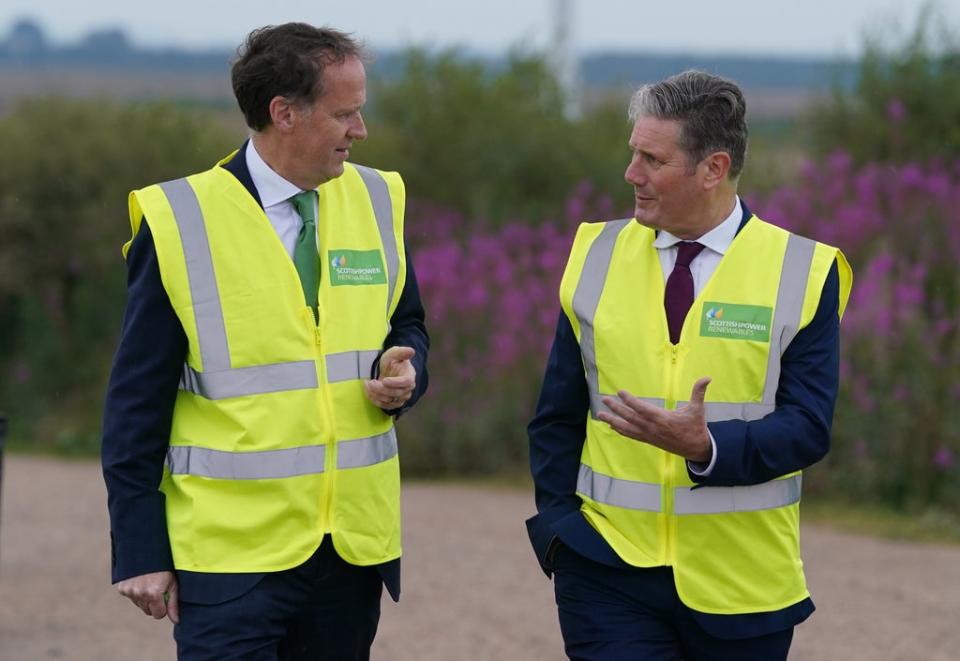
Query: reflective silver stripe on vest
x: 686, y: 500
x: 269, y: 464
x: 350, y: 365
x: 211, y: 330
x: 716, y: 411
x: 719, y: 500
x: 254, y: 380
x: 367, y: 451
x: 620, y: 493
x: 597, y: 405
x: 797, y: 261
x: 596, y: 402
x: 379, y: 194
x: 586, y: 298
x: 218, y: 380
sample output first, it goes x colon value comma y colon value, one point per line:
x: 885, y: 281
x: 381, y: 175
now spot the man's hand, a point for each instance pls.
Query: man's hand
x: 682, y: 432
x: 155, y: 594
x: 398, y: 378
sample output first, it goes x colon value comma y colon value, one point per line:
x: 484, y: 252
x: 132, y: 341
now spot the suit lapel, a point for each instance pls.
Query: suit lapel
x: 237, y: 166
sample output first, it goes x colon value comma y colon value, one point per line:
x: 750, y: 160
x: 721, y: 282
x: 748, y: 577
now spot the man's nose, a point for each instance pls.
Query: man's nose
x: 358, y: 129
x: 634, y: 173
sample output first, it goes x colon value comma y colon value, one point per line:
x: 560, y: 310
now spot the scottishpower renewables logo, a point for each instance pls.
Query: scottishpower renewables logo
x: 356, y: 267
x: 736, y: 322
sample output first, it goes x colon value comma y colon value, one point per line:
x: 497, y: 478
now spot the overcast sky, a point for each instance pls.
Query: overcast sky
x: 784, y: 27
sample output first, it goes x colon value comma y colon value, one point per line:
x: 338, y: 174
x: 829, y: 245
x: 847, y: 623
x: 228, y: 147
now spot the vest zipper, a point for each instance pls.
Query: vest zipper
x: 330, y: 459
x: 669, y: 521
x: 330, y: 469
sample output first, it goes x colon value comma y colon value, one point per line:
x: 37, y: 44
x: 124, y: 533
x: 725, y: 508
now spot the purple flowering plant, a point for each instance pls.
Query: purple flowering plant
x: 896, y: 432
x: 491, y: 296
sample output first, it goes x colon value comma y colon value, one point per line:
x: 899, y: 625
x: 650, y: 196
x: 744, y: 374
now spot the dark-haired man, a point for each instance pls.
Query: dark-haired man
x: 273, y: 332
x: 668, y: 511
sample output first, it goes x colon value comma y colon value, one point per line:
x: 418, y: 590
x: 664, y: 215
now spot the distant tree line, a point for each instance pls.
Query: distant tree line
x: 26, y: 45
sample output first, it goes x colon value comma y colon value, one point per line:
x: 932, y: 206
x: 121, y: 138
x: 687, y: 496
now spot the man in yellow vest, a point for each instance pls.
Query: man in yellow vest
x: 273, y: 332
x: 692, y: 378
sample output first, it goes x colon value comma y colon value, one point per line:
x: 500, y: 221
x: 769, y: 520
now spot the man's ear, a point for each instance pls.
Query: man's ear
x: 283, y: 114
x: 716, y: 167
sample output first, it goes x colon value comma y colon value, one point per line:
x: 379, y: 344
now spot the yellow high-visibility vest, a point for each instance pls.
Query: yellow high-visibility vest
x: 732, y: 549
x: 273, y: 442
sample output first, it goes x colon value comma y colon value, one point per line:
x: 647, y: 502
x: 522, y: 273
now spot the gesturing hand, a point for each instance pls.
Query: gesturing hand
x: 155, y: 594
x: 682, y: 432
x: 398, y: 378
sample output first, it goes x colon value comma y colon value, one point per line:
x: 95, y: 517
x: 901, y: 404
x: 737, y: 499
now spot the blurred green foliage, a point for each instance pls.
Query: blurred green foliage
x: 906, y: 104
x: 65, y: 171
x: 492, y: 143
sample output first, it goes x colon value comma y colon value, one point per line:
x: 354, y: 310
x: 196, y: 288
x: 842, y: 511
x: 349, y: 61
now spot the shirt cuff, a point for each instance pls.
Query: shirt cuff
x: 701, y: 469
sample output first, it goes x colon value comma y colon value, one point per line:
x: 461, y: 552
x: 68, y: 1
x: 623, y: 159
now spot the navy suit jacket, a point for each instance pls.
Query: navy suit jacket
x: 139, y: 409
x: 794, y: 436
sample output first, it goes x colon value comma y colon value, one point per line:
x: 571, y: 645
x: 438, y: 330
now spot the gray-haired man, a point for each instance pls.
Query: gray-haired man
x: 667, y: 510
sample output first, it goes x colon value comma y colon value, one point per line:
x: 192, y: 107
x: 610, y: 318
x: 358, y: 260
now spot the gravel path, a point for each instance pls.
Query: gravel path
x: 472, y: 589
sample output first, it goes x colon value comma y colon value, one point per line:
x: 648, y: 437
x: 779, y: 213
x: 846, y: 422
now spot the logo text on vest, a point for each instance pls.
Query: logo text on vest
x: 356, y: 267
x: 736, y: 322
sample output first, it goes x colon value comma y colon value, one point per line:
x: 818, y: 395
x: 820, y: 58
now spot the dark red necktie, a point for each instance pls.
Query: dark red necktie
x: 678, y: 296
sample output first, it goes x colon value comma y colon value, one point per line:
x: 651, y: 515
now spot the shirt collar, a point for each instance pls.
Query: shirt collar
x: 273, y: 188
x: 718, y: 239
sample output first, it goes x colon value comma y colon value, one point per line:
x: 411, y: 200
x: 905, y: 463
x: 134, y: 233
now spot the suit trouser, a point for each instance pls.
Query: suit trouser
x: 611, y: 614
x: 324, y: 609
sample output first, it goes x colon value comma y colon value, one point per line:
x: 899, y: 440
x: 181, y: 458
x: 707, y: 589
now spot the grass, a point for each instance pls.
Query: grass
x: 928, y: 526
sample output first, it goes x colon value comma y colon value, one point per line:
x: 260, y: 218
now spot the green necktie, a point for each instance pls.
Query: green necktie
x: 305, y: 255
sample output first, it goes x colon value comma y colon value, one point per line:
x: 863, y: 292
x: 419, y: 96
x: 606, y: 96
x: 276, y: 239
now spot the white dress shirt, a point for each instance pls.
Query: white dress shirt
x: 275, y: 193
x: 716, y: 242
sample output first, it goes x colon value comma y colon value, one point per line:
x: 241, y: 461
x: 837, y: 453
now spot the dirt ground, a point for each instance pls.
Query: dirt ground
x: 472, y: 589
